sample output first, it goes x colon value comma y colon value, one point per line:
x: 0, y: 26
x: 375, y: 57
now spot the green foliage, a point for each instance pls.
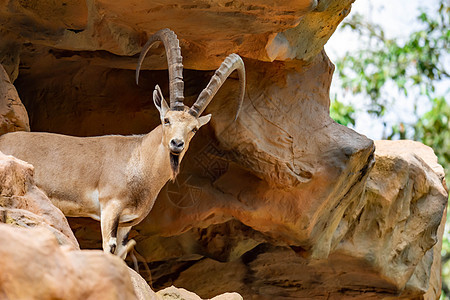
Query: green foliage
x: 342, y: 113
x: 433, y: 130
x: 413, y: 65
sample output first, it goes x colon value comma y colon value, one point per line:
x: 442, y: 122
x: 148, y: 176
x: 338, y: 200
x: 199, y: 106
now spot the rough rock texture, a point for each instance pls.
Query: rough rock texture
x: 34, y: 266
x: 23, y: 204
x: 39, y: 255
x: 208, y: 29
x: 282, y: 203
x: 173, y: 293
x: 406, y: 198
x: 141, y: 287
x: 386, y: 252
x: 13, y: 116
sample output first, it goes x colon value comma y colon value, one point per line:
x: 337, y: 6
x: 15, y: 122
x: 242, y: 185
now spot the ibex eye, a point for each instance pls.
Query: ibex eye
x: 166, y: 121
x: 194, y: 130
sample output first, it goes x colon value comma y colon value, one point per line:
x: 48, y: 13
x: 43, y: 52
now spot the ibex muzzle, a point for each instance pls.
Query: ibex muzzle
x: 176, y: 146
x: 116, y: 179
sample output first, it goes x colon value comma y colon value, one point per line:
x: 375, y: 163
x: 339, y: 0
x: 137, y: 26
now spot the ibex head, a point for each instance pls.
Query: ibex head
x: 180, y: 122
x: 179, y: 126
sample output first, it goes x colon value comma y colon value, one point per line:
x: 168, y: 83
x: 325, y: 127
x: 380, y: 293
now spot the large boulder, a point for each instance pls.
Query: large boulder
x: 399, y: 229
x: 24, y: 205
x: 390, y: 249
x: 34, y: 266
x: 39, y: 254
x: 173, y: 293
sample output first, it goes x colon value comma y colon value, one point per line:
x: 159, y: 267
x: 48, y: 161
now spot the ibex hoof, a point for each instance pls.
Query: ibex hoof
x: 112, y: 245
x: 126, y: 249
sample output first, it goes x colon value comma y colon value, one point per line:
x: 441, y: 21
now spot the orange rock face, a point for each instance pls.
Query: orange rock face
x: 388, y: 242
x: 13, y: 116
x: 24, y: 205
x: 282, y: 202
x: 208, y: 30
x: 34, y: 266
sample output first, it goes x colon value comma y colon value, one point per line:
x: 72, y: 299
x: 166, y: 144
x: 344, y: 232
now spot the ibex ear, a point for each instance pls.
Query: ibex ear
x: 204, y: 120
x: 159, y: 101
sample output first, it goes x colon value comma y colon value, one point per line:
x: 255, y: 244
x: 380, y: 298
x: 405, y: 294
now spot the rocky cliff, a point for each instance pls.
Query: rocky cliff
x: 282, y: 203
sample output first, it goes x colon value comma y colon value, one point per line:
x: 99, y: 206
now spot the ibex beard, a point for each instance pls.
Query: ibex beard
x: 175, y: 164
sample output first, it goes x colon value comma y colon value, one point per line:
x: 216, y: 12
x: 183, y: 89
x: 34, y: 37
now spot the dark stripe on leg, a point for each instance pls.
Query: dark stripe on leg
x: 115, y: 227
x: 125, y: 238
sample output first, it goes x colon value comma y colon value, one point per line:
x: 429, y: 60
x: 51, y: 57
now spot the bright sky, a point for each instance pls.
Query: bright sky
x: 398, y: 19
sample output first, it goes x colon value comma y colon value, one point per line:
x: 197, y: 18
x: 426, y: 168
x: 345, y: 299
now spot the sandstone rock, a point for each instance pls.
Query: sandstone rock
x: 34, y: 266
x: 255, y: 29
x: 315, y: 29
x: 141, y: 287
x: 391, y: 249
x: 10, y: 50
x: 25, y: 205
x: 173, y: 293
x: 13, y: 116
x: 435, y: 286
x: 397, y: 230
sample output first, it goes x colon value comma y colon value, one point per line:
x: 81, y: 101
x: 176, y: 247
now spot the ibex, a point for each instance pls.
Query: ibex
x: 115, y: 179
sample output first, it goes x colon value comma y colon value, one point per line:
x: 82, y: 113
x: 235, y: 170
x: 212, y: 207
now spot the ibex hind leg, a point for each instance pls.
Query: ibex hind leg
x: 124, y: 245
x: 110, y: 215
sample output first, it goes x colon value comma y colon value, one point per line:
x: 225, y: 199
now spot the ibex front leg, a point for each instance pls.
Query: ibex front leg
x: 110, y: 216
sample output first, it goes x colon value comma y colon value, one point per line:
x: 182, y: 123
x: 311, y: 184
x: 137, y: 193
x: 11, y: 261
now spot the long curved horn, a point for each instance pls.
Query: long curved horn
x: 174, y: 62
x: 231, y: 63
